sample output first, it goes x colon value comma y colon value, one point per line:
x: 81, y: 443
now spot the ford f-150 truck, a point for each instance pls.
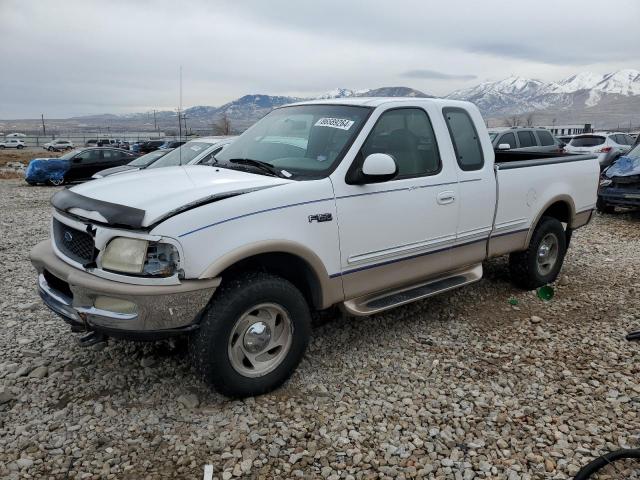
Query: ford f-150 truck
x: 366, y: 204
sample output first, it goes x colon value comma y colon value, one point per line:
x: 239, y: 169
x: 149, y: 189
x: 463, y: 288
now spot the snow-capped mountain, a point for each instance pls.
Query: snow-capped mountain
x: 339, y: 93
x: 586, y: 90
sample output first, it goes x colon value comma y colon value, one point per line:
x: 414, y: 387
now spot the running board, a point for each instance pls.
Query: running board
x: 380, y: 301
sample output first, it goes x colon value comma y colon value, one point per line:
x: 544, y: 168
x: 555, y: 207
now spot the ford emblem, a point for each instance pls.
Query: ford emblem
x: 68, y: 236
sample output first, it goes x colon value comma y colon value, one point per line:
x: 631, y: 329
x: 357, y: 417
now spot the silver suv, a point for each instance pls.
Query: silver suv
x: 525, y: 139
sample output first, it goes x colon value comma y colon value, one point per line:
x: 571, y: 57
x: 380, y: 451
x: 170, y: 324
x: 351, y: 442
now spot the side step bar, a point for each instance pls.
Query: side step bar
x: 380, y: 301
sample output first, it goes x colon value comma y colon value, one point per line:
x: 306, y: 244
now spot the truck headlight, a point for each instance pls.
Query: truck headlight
x: 140, y: 257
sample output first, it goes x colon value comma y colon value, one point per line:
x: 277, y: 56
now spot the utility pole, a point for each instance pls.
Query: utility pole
x: 155, y: 124
x: 44, y: 129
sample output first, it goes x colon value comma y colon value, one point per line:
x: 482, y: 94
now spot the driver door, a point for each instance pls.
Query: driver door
x: 399, y: 231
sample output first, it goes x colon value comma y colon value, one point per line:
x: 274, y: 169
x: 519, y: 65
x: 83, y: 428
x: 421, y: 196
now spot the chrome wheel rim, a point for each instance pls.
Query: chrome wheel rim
x: 260, y: 340
x: 547, y: 253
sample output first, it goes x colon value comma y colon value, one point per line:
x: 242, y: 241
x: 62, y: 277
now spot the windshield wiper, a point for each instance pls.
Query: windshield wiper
x: 264, y: 166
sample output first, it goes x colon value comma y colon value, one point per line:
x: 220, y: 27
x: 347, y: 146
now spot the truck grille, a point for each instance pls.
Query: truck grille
x: 75, y: 244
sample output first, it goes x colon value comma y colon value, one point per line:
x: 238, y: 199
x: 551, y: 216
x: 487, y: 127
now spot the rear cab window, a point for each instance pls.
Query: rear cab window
x: 545, y: 138
x: 464, y: 138
x: 526, y: 139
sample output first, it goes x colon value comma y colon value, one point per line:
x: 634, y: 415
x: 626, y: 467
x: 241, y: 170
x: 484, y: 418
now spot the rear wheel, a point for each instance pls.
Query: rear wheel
x: 252, y: 335
x: 540, y: 263
x: 20, y: 147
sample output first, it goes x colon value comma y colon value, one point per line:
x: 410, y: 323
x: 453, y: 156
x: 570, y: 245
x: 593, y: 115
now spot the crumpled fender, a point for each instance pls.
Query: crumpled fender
x: 41, y: 170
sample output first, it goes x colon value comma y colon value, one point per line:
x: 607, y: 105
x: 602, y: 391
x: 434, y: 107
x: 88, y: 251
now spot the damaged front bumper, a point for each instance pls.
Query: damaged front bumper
x: 627, y: 196
x: 120, y: 310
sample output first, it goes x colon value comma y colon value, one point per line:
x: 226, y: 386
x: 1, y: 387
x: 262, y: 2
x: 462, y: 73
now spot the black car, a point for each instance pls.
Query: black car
x: 151, y: 145
x: 139, y: 163
x: 83, y: 163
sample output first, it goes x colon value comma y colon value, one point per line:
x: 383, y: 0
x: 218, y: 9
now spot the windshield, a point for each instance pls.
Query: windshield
x: 71, y: 154
x: 145, y: 160
x: 587, y: 141
x: 304, y: 140
x: 634, y: 153
x: 182, y: 155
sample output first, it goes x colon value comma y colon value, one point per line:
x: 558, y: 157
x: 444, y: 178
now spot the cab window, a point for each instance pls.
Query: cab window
x: 407, y: 135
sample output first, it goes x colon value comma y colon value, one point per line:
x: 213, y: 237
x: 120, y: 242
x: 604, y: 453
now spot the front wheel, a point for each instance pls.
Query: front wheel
x: 56, y: 182
x: 252, y: 335
x: 540, y: 263
x: 20, y: 147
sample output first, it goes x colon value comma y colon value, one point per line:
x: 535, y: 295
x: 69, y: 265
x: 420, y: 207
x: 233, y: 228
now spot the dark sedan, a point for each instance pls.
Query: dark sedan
x: 139, y: 163
x: 76, y: 165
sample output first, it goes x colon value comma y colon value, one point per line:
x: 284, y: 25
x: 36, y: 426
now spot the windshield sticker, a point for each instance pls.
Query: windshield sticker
x: 341, y: 123
x: 196, y: 148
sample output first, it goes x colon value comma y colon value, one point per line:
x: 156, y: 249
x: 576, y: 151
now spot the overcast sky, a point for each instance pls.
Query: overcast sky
x: 66, y: 58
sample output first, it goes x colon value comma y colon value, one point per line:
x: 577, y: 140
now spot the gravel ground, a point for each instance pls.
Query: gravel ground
x: 462, y: 386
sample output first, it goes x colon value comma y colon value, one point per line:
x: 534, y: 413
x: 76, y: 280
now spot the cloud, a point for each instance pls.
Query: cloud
x: 69, y: 58
x: 435, y: 75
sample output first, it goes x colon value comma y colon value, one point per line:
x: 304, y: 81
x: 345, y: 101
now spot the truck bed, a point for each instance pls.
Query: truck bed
x: 505, y: 159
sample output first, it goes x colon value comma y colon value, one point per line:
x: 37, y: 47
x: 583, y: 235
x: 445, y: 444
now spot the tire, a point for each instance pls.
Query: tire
x: 56, y: 182
x: 50, y: 149
x: 602, y: 206
x: 1, y: 147
x: 220, y: 348
x: 20, y: 147
x: 529, y: 269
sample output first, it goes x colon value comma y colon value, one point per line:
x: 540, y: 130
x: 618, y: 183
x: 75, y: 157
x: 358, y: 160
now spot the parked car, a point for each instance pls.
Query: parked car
x: 135, y: 147
x: 565, y: 139
x: 124, y: 144
x: 193, y: 152
x: 525, y: 139
x: 138, y: 163
x: 172, y: 144
x: 93, y: 142
x: 12, y: 143
x: 106, y: 142
x: 608, y: 146
x: 362, y: 203
x: 57, y: 145
x: 151, y: 145
x: 76, y: 165
x: 620, y: 183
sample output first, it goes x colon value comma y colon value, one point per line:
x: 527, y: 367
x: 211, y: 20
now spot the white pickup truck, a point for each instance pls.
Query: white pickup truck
x: 362, y: 203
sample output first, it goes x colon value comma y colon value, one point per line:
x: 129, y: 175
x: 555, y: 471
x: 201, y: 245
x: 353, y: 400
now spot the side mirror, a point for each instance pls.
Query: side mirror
x: 376, y: 168
x: 504, y: 146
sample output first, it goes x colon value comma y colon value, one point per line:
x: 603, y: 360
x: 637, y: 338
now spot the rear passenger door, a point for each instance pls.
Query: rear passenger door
x: 527, y: 141
x: 396, y: 232
x: 547, y: 142
x: 477, y: 184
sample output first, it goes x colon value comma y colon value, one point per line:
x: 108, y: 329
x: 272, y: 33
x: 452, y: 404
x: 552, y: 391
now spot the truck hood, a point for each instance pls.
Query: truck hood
x: 144, y: 198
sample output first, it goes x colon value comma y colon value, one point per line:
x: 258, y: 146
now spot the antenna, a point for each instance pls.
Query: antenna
x: 180, y: 115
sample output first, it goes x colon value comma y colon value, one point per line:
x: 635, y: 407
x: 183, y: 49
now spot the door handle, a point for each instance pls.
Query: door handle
x: 446, y: 197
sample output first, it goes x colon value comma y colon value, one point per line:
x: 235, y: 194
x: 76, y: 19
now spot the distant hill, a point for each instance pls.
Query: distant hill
x: 605, y: 101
